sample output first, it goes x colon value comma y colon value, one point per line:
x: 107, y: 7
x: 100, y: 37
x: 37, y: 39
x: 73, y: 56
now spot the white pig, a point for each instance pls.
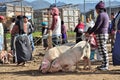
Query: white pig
x: 50, y: 55
x: 71, y: 57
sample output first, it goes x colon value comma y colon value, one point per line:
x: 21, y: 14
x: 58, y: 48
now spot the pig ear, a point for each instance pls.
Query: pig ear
x: 45, y: 64
x: 55, y: 63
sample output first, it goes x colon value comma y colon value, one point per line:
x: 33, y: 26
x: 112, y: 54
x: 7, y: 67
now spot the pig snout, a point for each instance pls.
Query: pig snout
x: 45, y: 66
x: 55, y: 66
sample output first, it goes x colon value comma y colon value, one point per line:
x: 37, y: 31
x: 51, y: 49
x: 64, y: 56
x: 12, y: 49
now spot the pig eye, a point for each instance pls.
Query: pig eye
x: 53, y: 63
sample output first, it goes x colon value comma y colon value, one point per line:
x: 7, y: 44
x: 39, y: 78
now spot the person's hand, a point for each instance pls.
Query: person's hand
x: 113, y: 32
x: 87, y: 34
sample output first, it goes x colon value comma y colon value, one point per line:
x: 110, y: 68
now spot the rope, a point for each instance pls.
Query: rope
x: 37, y: 40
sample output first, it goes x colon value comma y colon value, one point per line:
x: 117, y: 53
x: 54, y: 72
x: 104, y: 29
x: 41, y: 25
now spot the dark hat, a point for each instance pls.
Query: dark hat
x: 87, y: 17
x: 100, y: 5
x: 19, y: 17
x: 25, y: 17
x: 44, y: 23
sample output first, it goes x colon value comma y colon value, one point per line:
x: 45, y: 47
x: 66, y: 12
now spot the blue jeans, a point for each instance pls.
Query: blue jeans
x: 1, y: 42
x: 31, y: 41
x: 92, y: 54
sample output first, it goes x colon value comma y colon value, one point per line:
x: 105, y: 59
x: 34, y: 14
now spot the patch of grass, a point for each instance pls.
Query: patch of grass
x: 8, y: 35
x: 37, y: 34
x: 71, y: 34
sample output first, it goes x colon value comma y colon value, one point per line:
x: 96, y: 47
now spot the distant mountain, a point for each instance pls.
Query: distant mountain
x: 37, y: 4
x: 40, y: 4
x: 89, y: 6
x: 60, y: 3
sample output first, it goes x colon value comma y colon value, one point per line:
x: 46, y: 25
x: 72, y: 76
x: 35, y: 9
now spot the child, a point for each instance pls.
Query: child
x: 64, y: 33
x: 79, y: 31
x: 94, y: 48
x: 45, y: 34
x: 93, y: 44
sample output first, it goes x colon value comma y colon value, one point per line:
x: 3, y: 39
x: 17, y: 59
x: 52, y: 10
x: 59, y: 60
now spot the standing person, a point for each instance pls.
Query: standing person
x: 13, y: 20
x: 56, y: 26
x: 116, y: 49
x: 92, y: 22
x: 45, y: 34
x: 88, y: 24
x: 93, y: 45
x: 101, y: 31
x: 12, y: 36
x: 1, y: 33
x: 111, y: 30
x: 29, y: 31
x: 64, y: 33
x: 23, y: 51
x: 79, y: 29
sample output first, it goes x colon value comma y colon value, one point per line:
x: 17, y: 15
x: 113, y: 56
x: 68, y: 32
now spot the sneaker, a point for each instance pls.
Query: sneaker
x: 103, y: 68
x: 92, y: 60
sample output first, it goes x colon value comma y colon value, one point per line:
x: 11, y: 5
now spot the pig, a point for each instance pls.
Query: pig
x: 71, y: 57
x: 50, y: 55
x: 4, y: 56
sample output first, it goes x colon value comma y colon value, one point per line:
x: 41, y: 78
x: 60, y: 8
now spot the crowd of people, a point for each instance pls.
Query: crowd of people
x: 22, y: 43
x: 96, y: 33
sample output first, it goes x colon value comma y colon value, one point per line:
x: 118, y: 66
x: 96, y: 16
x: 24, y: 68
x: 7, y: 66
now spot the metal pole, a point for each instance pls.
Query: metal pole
x: 55, y: 2
x: 84, y: 13
x: 21, y: 7
x: 109, y: 8
x: 84, y: 5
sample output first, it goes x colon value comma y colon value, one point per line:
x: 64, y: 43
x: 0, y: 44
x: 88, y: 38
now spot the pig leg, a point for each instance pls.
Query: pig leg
x: 77, y: 66
x: 67, y: 68
x: 3, y: 60
x: 40, y: 68
x: 7, y: 59
x: 87, y: 63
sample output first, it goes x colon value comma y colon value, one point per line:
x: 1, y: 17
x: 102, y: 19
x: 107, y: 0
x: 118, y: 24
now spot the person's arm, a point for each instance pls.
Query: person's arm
x: 97, y: 24
x: 54, y: 22
x: 65, y: 29
x: 1, y: 29
x: 11, y: 26
x: 76, y: 29
x: 31, y: 28
x: 14, y: 30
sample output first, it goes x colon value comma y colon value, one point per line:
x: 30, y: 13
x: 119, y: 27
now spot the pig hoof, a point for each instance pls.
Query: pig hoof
x: 40, y: 68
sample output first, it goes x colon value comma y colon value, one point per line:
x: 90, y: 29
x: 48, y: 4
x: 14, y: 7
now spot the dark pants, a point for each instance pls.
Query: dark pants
x: 12, y: 42
x: 78, y: 37
x: 64, y: 38
x: 56, y: 41
x: 45, y: 42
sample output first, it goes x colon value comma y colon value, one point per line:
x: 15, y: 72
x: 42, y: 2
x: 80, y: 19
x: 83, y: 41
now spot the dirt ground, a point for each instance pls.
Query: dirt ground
x: 30, y: 71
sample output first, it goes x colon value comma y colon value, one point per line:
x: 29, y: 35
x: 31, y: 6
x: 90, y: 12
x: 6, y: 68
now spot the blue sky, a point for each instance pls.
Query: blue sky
x: 74, y: 1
